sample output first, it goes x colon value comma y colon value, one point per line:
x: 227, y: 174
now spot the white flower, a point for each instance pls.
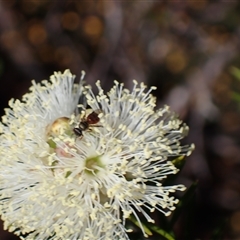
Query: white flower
x: 59, y: 185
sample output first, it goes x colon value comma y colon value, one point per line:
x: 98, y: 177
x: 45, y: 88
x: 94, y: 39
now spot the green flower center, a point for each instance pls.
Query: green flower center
x: 93, y: 165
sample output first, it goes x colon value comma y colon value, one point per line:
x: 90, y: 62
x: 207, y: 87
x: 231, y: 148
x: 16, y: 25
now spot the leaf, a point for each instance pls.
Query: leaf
x: 161, y: 232
x: 146, y: 229
x: 236, y: 96
x: 184, y: 201
x: 179, y: 162
x: 236, y: 72
x: 150, y: 226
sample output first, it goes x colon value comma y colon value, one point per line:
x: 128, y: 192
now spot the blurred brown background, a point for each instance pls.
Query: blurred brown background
x: 185, y: 48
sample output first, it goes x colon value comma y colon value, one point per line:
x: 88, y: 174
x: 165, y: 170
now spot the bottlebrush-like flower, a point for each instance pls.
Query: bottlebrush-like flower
x: 70, y: 174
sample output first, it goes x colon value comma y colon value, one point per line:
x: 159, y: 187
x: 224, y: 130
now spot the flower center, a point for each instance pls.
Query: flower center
x: 93, y: 165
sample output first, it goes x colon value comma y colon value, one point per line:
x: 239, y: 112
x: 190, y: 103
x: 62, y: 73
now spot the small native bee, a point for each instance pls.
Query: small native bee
x: 87, y: 122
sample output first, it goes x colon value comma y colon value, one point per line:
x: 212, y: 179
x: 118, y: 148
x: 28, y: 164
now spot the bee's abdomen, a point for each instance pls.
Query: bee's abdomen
x: 83, y: 125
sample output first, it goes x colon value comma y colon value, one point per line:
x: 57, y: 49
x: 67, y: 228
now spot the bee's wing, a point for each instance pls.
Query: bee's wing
x: 98, y: 111
x: 82, y: 105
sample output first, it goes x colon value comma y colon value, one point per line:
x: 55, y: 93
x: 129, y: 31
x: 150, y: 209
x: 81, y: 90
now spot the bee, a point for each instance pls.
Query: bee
x: 87, y: 122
